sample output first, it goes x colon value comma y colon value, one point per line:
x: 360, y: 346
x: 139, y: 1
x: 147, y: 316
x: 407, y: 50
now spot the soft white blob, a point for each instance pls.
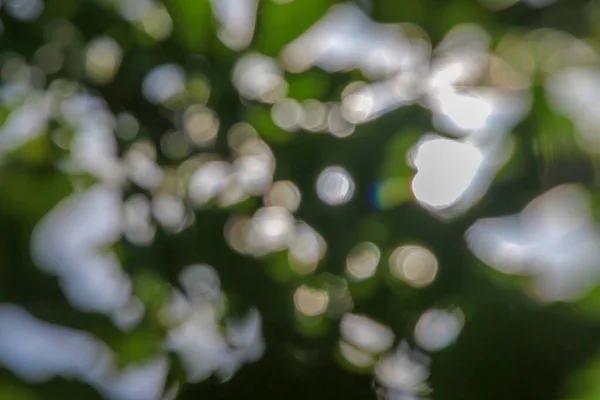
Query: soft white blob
x: 284, y: 194
x: 208, y: 181
x: 314, y: 116
x: 271, y: 229
x: 200, y: 282
x: 37, y: 351
x: 356, y: 356
x: 553, y: 240
x: 346, y: 38
x: 27, y: 121
x: 24, y: 10
x: 169, y: 211
x: 157, y: 22
x: 164, y: 83
x: 574, y: 92
x: 201, y: 125
x: 71, y: 242
x: 371, y: 101
x: 254, y: 173
x: 94, y: 148
x: 237, y: 19
x: 306, y: 249
x: 445, y: 171
x: 258, y: 77
x: 337, y: 124
x: 467, y: 111
x: 287, y: 114
x: 102, y: 59
x: 142, y: 169
x: 311, y: 302
x: 477, y: 111
x: 237, y: 231
x: 254, y: 166
x: 366, y: 333
x: 403, y: 371
x: 206, y: 343
x: 135, y: 10
x: 437, y: 329
x: 204, y: 349
x: 461, y: 104
x: 335, y: 186
x: 362, y: 261
x: 415, y: 265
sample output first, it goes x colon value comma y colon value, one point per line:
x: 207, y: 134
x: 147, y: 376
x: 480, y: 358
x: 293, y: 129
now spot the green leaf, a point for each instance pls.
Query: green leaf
x: 138, y: 347
x: 310, y: 85
x: 14, y: 391
x: 20, y: 191
x: 280, y: 23
x: 193, y: 21
x: 151, y: 290
x: 584, y: 384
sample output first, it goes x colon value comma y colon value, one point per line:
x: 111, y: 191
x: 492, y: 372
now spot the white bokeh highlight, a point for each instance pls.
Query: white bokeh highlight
x: 553, y: 240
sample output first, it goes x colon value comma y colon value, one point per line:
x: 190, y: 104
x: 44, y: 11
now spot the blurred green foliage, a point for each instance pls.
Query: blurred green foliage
x: 511, y: 347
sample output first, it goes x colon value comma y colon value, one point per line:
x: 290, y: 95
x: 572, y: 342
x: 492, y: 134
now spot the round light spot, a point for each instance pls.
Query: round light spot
x: 416, y: 265
x: 258, y: 77
x: 355, y: 356
x: 201, y: 125
x: 306, y: 249
x: 200, y: 282
x: 102, y: 60
x: 142, y: 169
x: 366, y: 334
x: 254, y: 173
x: 136, y: 220
x: 236, y: 233
x: 271, y: 229
x: 208, y: 181
x: 437, y: 329
x: 335, y: 186
x: 362, y: 261
x: 311, y: 302
x: 164, y: 83
x: 284, y: 194
x: 315, y: 116
x: 287, y: 114
x: 157, y: 23
x: 337, y: 124
x: 403, y: 370
x: 168, y: 210
x: 25, y: 10
x: 240, y: 134
x: 357, y: 107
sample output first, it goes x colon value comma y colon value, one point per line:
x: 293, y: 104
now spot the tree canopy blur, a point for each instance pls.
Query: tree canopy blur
x: 290, y: 199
